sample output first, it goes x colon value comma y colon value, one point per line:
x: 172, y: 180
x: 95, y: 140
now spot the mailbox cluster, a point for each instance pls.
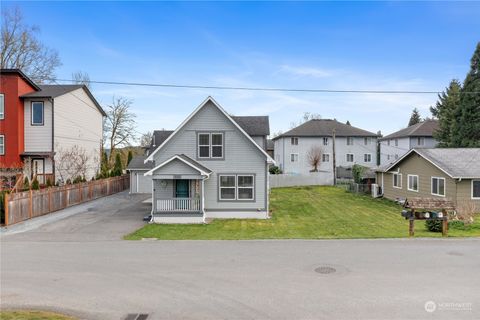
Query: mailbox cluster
x: 419, y: 215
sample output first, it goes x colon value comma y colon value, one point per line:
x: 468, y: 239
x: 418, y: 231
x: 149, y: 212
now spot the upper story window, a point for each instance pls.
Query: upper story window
x: 350, y: 157
x: 294, y: 141
x: 396, y: 142
x: 210, y: 145
x: 367, y: 157
x: 325, y: 141
x: 420, y: 141
x: 325, y: 157
x: 367, y: 141
x: 38, y: 113
x: 2, y: 145
x: 294, y: 157
x: 388, y: 142
x: 349, y: 141
x: 2, y: 106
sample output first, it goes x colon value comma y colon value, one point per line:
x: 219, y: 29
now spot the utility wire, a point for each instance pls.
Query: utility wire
x: 168, y: 85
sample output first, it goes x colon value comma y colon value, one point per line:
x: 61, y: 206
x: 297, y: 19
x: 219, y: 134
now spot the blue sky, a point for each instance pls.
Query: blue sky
x: 321, y: 45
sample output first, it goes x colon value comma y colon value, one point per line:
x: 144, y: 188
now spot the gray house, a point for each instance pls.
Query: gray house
x: 212, y: 166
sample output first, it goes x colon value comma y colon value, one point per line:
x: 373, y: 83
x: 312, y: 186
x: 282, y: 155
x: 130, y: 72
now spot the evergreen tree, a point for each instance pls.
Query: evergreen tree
x: 35, y: 184
x: 105, y: 167
x: 117, y: 167
x: 444, y: 111
x: 129, y: 156
x: 415, y: 117
x: 466, y: 131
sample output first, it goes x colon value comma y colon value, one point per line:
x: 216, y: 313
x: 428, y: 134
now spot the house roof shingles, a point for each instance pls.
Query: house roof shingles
x: 423, y: 129
x: 254, y: 125
x: 137, y: 163
x: 324, y: 128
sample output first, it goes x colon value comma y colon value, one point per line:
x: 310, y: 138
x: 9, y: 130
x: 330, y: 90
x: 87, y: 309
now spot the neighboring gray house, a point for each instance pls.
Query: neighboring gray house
x: 395, y: 145
x: 212, y: 166
x: 352, y: 146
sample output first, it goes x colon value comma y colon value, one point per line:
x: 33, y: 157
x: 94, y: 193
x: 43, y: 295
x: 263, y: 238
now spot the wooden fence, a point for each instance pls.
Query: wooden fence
x: 25, y: 205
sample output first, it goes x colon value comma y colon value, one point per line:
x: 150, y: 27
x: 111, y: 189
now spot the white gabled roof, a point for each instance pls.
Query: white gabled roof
x: 189, y: 162
x: 209, y: 98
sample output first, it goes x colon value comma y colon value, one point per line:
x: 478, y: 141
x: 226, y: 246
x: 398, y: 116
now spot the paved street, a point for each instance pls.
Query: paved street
x: 79, y: 265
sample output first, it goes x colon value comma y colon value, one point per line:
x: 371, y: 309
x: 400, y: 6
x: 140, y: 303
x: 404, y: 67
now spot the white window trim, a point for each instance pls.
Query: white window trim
x: 2, y: 151
x: 2, y: 112
x: 204, y: 145
x: 420, y: 139
x: 292, y: 140
x: 367, y: 141
x: 393, y: 180
x: 326, y: 154
x: 325, y: 141
x: 474, y: 180
x: 408, y: 182
x: 220, y: 187
x: 215, y: 145
x: 252, y: 187
x: 370, y: 157
x: 444, y: 187
x: 348, y: 139
x: 353, y: 157
x: 293, y: 157
x: 31, y: 114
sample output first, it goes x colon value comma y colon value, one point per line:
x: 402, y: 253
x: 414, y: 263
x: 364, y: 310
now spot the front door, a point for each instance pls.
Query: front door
x: 38, y: 169
x: 182, y: 189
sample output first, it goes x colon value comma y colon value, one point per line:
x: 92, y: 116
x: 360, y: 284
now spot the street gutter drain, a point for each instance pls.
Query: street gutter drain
x: 137, y: 316
x: 325, y: 270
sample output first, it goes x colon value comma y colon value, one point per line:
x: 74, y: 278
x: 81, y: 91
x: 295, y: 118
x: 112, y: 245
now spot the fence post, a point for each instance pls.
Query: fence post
x: 50, y: 199
x: 80, y: 192
x: 66, y: 193
x: 5, y: 203
x: 30, y: 212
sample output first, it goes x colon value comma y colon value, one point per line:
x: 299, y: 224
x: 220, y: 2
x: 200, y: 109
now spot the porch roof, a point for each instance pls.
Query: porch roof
x: 46, y: 154
x: 184, y: 160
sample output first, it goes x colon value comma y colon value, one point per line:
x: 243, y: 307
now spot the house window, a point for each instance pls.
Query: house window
x: 420, y: 141
x: 475, y: 189
x: 227, y: 187
x: 245, y: 187
x: 325, y: 141
x: 349, y: 141
x: 294, y: 157
x: 412, y: 184
x: 210, y: 145
x: 396, y: 156
x: 37, y: 111
x: 397, y: 180
x: 367, y: 141
x: 236, y: 187
x: 2, y: 106
x: 367, y: 157
x: 350, y: 157
x: 396, y: 142
x: 326, y: 157
x: 388, y: 142
x: 2, y: 145
x: 388, y: 157
x: 294, y: 141
x: 438, y: 186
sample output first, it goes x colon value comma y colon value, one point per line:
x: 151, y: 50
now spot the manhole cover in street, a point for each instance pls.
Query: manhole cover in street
x: 325, y: 270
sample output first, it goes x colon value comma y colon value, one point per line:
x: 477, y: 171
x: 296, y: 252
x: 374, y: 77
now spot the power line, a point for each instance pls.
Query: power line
x: 184, y: 86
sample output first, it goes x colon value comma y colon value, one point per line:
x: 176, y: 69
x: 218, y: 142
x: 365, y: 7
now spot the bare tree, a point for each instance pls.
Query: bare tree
x: 71, y: 163
x: 120, y: 124
x: 307, y: 116
x: 20, y: 48
x: 81, y: 77
x: 146, y: 139
x: 314, y: 156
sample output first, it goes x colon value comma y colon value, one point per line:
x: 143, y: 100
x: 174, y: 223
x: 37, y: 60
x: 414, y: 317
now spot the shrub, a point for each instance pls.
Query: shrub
x: 2, y: 206
x: 466, y: 211
x: 434, y: 225
x: 357, y: 172
x: 68, y: 181
x: 275, y: 170
x: 35, y: 184
x: 26, y: 183
x: 456, y: 224
x: 48, y: 183
x: 77, y: 179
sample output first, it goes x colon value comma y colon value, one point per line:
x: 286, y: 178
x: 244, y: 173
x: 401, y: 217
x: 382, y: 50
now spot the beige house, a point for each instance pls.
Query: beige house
x: 452, y: 174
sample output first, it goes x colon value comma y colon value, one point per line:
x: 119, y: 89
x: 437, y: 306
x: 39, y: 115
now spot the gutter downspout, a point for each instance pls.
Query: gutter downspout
x: 203, y: 196
x: 53, y: 142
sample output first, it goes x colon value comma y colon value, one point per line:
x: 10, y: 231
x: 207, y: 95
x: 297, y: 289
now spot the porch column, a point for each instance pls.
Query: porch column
x: 154, y: 201
x: 202, y: 198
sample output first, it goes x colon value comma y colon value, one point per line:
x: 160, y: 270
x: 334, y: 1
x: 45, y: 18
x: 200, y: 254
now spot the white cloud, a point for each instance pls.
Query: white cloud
x: 306, y: 71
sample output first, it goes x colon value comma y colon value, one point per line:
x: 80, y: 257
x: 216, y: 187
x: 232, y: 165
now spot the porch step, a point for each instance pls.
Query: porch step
x: 178, y: 218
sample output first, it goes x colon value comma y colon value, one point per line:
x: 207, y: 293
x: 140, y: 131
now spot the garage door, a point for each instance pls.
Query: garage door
x: 140, y: 183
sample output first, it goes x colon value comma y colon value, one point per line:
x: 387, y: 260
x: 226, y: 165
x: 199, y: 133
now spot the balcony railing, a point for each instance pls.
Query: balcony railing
x: 178, y: 205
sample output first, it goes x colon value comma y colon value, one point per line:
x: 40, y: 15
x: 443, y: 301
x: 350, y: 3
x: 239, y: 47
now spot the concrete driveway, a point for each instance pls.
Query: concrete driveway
x: 108, y: 218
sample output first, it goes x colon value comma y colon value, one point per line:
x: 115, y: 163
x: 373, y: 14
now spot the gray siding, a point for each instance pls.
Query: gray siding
x: 241, y: 156
x: 176, y: 167
x: 140, y: 183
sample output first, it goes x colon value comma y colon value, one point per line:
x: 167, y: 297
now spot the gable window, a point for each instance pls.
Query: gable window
x: 349, y: 141
x: 227, y: 187
x: 420, y: 141
x: 236, y: 187
x: 396, y: 142
x: 294, y: 157
x: 294, y: 141
x: 325, y: 141
x: 210, y: 145
x: 350, y: 157
x: 367, y: 141
x: 397, y: 180
x: 2, y: 144
x: 438, y: 186
x: 412, y: 184
x: 2, y: 106
x: 37, y: 113
x: 367, y: 157
x: 475, y: 189
x: 326, y: 157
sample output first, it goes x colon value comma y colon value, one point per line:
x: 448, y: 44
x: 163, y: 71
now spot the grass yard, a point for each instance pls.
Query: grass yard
x: 32, y: 315
x: 309, y: 213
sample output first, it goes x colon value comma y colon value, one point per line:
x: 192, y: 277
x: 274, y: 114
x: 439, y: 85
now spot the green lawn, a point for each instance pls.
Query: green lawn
x: 32, y: 315
x: 309, y: 213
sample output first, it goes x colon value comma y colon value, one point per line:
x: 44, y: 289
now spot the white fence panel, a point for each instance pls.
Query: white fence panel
x: 294, y: 180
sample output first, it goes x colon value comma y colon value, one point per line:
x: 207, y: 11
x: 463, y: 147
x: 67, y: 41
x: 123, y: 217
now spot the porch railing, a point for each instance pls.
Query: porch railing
x: 178, y: 205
